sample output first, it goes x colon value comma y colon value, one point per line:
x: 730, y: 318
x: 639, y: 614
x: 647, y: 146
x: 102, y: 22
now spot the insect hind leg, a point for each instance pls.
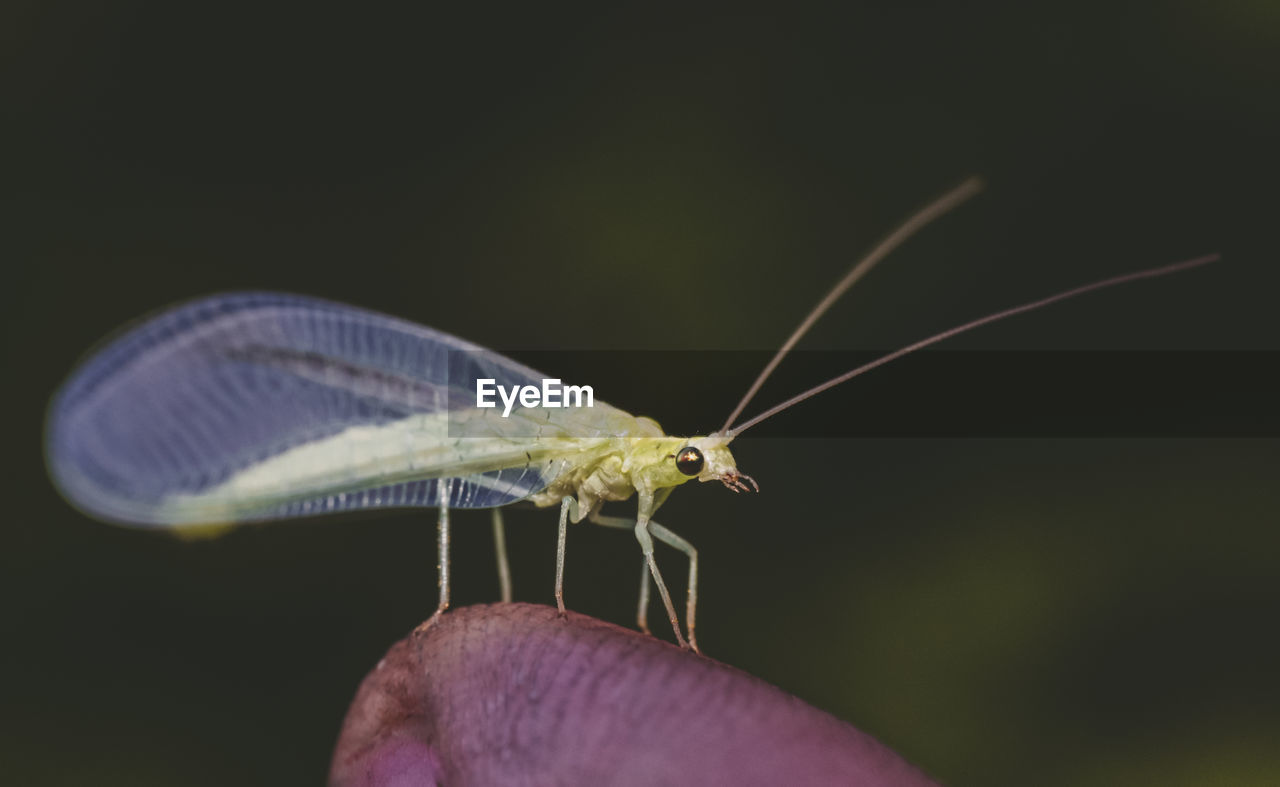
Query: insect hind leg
x: 500, y: 547
x: 444, y: 493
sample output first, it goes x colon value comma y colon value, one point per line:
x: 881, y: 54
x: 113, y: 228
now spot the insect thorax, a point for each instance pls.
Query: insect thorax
x: 610, y: 472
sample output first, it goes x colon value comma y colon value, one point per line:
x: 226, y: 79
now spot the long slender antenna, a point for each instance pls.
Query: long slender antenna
x: 947, y: 334
x: 881, y: 250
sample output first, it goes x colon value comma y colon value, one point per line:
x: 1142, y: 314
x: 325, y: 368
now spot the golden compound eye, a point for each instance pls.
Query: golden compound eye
x: 689, y: 461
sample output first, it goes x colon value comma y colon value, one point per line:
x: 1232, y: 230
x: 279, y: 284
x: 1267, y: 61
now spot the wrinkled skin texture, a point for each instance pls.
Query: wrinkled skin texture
x: 509, y: 694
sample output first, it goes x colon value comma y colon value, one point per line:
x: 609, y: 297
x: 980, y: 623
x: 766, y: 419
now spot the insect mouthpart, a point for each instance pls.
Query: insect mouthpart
x: 734, y: 480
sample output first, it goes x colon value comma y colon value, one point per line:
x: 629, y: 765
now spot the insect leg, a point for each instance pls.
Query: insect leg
x: 642, y: 610
x: 568, y: 508
x: 667, y: 537
x: 646, y: 544
x: 500, y: 546
x: 445, y: 491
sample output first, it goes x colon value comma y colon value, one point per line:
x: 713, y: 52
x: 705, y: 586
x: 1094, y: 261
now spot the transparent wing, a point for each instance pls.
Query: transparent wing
x: 257, y: 405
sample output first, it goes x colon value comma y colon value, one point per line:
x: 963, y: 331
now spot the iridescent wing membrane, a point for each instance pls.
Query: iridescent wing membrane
x: 257, y: 406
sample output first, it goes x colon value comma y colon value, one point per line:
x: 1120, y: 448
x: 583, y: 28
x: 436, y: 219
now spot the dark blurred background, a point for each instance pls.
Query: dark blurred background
x: 999, y: 611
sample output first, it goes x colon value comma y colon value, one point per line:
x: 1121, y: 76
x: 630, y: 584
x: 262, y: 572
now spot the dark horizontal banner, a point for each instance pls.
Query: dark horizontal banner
x: 927, y: 394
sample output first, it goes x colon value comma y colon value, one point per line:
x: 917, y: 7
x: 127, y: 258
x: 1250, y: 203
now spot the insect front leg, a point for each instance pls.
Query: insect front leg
x: 648, y: 567
x: 691, y: 603
x: 500, y: 547
x: 646, y: 505
x: 646, y: 544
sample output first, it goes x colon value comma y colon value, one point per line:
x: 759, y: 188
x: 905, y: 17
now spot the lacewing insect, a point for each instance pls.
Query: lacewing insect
x: 257, y: 406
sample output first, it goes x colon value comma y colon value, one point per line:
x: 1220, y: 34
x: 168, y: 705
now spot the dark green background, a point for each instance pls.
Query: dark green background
x: 998, y: 611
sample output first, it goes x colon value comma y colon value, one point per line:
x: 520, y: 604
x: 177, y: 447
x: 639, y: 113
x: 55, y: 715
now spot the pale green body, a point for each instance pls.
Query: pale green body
x: 612, y: 469
x: 631, y: 455
x: 592, y: 455
x: 643, y: 463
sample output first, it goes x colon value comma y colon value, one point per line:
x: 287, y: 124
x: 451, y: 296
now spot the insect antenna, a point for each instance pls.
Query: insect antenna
x: 893, y: 240
x: 1148, y: 273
